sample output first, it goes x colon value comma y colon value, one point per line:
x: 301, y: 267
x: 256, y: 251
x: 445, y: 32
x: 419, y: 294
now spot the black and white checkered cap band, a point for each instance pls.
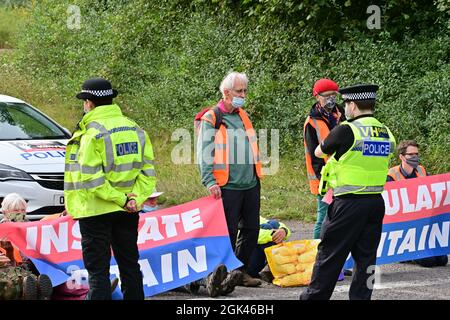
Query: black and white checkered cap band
x: 360, y: 96
x: 99, y: 93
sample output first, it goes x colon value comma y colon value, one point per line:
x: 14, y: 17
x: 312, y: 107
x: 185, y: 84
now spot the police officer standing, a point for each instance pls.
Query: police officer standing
x: 109, y: 173
x: 360, y: 149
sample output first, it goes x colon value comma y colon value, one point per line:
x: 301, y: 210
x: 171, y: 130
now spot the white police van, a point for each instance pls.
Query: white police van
x: 32, y: 149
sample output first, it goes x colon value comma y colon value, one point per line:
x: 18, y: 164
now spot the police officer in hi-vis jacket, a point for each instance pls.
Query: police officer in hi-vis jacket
x: 109, y: 173
x: 360, y: 149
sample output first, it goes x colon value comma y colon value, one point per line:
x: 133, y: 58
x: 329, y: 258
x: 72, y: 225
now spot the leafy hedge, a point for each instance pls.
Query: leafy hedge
x: 167, y: 59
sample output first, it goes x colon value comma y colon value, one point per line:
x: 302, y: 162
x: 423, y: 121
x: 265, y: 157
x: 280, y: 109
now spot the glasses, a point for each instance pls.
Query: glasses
x: 412, y: 154
x: 332, y: 94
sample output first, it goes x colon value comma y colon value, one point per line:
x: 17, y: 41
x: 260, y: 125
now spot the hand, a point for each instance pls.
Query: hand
x: 279, y: 235
x: 215, y: 191
x: 131, y: 205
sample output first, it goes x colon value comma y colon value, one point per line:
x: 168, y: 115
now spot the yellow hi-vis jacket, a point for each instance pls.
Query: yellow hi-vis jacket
x: 363, y: 168
x: 108, y: 157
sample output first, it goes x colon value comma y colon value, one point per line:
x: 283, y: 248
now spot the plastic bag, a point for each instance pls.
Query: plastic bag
x: 291, y: 263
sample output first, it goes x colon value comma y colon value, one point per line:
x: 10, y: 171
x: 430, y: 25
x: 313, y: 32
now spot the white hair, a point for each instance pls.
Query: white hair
x: 13, y: 203
x: 230, y: 78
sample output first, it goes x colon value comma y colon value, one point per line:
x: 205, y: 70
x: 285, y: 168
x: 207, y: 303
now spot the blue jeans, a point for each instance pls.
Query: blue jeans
x: 322, y: 209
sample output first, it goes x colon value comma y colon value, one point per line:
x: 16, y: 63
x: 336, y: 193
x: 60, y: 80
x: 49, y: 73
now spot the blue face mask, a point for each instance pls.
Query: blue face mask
x: 238, y: 102
x: 147, y: 208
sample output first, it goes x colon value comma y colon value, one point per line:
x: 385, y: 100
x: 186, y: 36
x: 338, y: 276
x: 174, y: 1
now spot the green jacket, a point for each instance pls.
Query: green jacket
x: 265, y: 235
x: 108, y: 157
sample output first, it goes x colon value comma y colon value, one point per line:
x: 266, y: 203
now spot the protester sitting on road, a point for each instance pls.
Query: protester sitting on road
x: 218, y: 282
x: 19, y: 278
x: 408, y: 153
x: 151, y: 204
x: 271, y: 232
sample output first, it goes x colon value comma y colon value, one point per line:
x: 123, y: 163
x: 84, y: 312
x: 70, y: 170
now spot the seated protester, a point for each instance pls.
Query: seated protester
x: 408, y: 153
x: 23, y: 281
x: 271, y: 232
x: 151, y: 204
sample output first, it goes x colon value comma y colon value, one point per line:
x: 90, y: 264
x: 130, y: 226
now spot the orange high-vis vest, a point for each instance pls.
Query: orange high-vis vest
x: 221, y: 167
x: 396, y: 174
x: 322, y: 131
x: 16, y: 255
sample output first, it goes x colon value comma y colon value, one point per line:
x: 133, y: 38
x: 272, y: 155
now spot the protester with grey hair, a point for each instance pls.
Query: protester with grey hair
x: 19, y: 279
x: 231, y: 169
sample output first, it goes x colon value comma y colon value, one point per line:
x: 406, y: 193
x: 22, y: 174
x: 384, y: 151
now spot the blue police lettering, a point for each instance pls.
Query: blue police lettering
x: 123, y: 149
x: 43, y: 155
x: 376, y: 148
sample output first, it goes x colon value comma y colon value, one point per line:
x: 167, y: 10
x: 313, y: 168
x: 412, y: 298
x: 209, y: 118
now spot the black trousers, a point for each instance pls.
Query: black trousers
x: 119, y: 231
x: 242, y: 214
x: 353, y: 224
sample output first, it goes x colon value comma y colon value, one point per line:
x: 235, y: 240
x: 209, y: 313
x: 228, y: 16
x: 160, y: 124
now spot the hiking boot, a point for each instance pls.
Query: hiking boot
x: 30, y: 288
x: 233, y: 279
x: 248, y: 281
x: 194, y: 286
x: 266, y: 276
x: 44, y: 287
x: 114, y: 284
x: 9, y: 290
x: 214, y: 280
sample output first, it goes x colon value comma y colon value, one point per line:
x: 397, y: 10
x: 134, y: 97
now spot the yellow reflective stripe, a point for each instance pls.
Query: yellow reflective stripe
x: 149, y: 173
x: 141, y: 136
x: 74, y: 167
x: 84, y: 185
x: 123, y: 184
x: 126, y: 166
x: 316, y: 125
x: 358, y: 189
x: 151, y: 162
x: 420, y: 171
x: 219, y: 166
x: 108, y: 144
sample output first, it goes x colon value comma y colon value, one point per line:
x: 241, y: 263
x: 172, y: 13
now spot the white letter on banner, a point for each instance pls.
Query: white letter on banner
x: 423, y: 198
x: 149, y: 278
x: 423, y: 237
x: 166, y: 268
x: 391, y: 210
x: 149, y: 231
x: 447, y: 198
x: 438, y: 188
x: 394, y: 236
x: 31, y: 238
x: 185, y: 259
x: 381, y: 244
x: 170, y: 222
x: 436, y: 233
x: 407, y: 206
x: 49, y: 236
x: 76, y: 244
x: 409, y: 242
x: 191, y: 220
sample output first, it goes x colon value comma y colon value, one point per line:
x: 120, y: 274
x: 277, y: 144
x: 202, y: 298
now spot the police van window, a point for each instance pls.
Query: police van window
x: 19, y: 121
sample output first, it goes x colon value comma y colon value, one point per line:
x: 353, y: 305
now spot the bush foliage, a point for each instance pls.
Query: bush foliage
x: 168, y: 57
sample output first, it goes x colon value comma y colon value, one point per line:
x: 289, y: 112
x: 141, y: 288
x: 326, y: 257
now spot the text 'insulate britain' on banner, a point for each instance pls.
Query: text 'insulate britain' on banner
x: 177, y: 245
x: 417, y: 220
